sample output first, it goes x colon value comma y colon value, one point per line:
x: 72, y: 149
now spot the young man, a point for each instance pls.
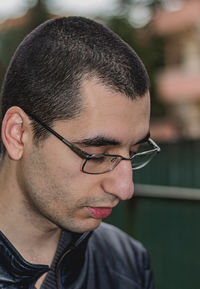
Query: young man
x: 75, y: 115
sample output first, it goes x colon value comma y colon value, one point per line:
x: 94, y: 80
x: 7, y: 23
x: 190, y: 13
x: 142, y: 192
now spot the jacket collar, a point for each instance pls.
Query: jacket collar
x: 14, y: 269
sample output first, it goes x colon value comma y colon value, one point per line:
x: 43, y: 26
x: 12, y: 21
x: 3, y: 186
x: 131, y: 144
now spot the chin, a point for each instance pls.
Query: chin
x: 82, y: 226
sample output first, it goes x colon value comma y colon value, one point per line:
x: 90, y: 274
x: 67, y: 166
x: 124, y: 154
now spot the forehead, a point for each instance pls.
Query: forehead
x: 110, y: 113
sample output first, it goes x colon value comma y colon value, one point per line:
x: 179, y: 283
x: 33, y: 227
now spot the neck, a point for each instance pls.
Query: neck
x: 32, y: 235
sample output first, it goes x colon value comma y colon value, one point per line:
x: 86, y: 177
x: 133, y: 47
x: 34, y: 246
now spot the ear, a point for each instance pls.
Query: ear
x: 13, y: 128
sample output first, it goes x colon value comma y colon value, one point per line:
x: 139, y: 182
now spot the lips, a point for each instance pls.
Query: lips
x: 99, y: 212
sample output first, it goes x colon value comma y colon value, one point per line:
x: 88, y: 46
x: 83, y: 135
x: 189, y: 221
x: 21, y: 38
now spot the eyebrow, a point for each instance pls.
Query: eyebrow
x: 99, y: 141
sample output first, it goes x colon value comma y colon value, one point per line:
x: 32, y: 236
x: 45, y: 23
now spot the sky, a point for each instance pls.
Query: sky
x: 15, y: 8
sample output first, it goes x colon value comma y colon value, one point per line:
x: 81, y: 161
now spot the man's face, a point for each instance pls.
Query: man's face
x: 51, y: 178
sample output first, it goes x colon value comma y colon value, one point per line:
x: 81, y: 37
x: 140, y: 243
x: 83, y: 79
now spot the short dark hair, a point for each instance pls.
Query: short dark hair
x: 45, y: 73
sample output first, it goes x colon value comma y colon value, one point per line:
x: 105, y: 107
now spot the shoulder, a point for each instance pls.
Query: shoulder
x: 127, y: 257
x: 109, y: 237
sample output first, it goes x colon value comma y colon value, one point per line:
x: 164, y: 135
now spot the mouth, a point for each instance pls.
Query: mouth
x: 99, y: 212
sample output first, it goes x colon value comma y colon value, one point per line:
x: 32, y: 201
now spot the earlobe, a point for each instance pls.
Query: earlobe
x: 12, y: 132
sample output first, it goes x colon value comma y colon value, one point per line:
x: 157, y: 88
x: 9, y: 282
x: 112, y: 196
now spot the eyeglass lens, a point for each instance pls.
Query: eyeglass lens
x: 102, y: 164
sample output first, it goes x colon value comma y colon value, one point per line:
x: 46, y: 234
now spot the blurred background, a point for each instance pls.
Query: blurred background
x: 165, y: 211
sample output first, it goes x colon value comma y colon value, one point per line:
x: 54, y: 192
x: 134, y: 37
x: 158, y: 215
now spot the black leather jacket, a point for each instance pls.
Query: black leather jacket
x: 106, y: 258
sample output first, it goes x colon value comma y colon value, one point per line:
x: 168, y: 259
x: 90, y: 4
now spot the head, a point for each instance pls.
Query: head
x: 46, y: 72
x: 82, y: 80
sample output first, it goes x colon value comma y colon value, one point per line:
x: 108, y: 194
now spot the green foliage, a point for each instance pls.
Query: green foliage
x: 10, y: 38
x: 38, y: 14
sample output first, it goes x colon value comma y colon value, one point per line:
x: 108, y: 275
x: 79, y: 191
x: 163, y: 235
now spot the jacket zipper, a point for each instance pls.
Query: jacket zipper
x: 58, y: 265
x: 66, y: 253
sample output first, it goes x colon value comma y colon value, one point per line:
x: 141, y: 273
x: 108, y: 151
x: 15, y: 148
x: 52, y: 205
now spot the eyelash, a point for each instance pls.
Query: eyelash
x: 107, y: 150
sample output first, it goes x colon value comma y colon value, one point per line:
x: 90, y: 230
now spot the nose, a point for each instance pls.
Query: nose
x: 119, y: 182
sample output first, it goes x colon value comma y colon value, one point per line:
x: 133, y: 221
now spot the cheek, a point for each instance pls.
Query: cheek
x: 54, y: 177
x: 64, y: 169
x: 62, y: 160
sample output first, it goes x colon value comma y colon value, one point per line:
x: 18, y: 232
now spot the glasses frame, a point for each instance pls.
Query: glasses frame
x: 87, y: 156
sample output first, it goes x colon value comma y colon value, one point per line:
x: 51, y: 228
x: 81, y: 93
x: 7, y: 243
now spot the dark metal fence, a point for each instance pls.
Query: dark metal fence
x: 177, y: 165
x: 164, y: 214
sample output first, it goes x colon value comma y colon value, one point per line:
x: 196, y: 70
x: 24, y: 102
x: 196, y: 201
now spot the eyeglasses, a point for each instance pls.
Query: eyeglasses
x: 102, y: 163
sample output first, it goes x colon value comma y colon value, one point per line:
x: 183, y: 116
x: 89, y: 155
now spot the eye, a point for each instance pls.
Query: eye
x: 131, y: 153
x: 134, y: 150
x: 113, y: 159
x: 92, y: 150
x: 98, y: 159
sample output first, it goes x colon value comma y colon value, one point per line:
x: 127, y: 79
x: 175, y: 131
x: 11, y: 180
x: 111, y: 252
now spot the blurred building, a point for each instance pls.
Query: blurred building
x: 178, y: 84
